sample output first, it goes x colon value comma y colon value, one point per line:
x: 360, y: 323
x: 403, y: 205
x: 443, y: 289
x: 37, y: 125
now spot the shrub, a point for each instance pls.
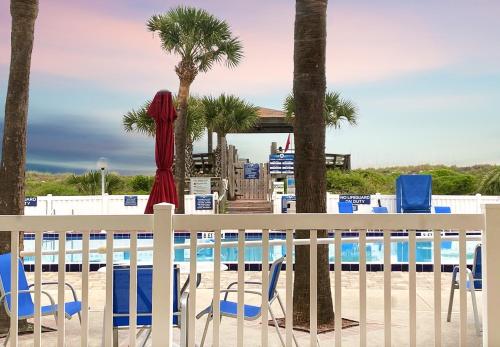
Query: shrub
x: 142, y: 183
x: 490, y: 185
x: 449, y: 182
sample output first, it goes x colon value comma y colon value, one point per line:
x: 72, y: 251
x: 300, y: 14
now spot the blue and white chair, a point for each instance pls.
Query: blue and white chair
x: 230, y: 308
x: 26, y: 307
x: 474, y: 283
x: 346, y: 207
x: 442, y: 209
x: 379, y: 209
x: 121, y: 302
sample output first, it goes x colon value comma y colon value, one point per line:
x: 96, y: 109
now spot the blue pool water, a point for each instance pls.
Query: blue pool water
x: 350, y: 251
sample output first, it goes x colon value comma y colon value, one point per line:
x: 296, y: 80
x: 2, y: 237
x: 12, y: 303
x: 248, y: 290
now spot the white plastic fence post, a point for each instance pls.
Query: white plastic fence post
x: 48, y: 205
x: 491, y: 280
x: 163, y: 262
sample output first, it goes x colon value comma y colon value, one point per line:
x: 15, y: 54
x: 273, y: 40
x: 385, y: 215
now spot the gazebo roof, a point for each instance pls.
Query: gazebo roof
x: 271, y: 121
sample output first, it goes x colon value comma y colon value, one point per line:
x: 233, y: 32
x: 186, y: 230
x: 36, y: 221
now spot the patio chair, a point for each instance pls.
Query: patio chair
x: 442, y: 209
x: 474, y: 283
x: 380, y: 209
x: 346, y: 207
x: 121, y: 301
x: 251, y: 312
x: 26, y: 307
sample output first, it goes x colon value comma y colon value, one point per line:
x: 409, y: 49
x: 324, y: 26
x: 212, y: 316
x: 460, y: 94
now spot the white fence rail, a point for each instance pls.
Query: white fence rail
x: 164, y: 222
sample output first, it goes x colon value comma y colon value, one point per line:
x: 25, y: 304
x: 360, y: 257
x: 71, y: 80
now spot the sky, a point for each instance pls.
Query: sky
x: 424, y: 75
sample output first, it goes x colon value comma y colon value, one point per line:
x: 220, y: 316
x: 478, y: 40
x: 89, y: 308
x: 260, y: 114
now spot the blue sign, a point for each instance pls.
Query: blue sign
x: 282, y: 163
x: 251, y: 171
x: 356, y: 200
x: 203, y: 203
x: 31, y: 201
x: 130, y: 200
x: 285, y: 199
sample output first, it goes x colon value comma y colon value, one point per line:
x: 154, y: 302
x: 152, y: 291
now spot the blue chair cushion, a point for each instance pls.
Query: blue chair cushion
x: 346, y: 207
x: 231, y: 308
x: 442, y: 209
x: 71, y: 308
x: 379, y: 209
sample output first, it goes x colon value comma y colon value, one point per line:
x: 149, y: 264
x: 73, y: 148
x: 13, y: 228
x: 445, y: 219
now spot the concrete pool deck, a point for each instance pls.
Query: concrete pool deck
x: 350, y: 309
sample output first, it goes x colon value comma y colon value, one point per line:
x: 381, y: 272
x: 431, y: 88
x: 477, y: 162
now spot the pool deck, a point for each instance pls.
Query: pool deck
x: 350, y: 309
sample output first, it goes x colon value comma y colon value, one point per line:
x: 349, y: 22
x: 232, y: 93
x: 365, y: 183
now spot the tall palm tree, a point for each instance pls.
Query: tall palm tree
x: 138, y: 121
x: 12, y: 166
x: 490, y: 184
x: 309, y: 87
x: 337, y: 110
x: 228, y: 114
x: 200, y: 40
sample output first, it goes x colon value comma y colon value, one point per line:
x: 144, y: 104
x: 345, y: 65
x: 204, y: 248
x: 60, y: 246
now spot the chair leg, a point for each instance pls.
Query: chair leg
x: 276, y: 327
x: 450, y: 304
x: 209, y: 318
x: 115, y: 337
x: 6, y: 338
x: 284, y: 314
x: 146, y: 338
x: 476, y: 315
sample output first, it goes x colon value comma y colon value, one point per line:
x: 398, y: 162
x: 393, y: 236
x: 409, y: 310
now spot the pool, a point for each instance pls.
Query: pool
x: 350, y: 251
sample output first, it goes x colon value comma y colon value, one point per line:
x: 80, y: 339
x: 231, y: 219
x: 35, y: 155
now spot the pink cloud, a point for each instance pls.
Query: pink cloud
x: 364, y: 45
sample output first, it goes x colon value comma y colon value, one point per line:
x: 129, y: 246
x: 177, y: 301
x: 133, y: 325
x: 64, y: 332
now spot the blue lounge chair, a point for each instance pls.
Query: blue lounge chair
x: 474, y: 283
x: 380, y: 209
x: 229, y: 308
x: 121, y: 301
x: 346, y: 207
x: 26, y: 307
x: 442, y: 209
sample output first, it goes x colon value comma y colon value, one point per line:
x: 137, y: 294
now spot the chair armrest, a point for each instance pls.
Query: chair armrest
x: 3, y: 297
x: 456, y: 269
x: 75, y: 298
x: 228, y: 291
x: 245, y: 282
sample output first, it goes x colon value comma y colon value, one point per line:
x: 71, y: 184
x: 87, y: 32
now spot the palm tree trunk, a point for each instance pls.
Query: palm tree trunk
x: 210, y: 146
x: 12, y: 166
x: 309, y: 86
x: 180, y: 143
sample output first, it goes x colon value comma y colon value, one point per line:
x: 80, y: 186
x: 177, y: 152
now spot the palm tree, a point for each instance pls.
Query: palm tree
x: 309, y: 88
x: 337, y: 110
x: 12, y: 166
x: 490, y: 185
x: 90, y: 183
x: 138, y: 121
x: 200, y: 40
x: 228, y: 114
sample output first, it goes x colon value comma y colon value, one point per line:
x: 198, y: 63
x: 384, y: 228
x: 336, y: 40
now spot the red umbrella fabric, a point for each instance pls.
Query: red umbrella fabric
x: 162, y: 110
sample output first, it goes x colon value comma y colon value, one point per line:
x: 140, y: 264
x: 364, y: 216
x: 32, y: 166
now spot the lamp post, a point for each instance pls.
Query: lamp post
x: 102, y: 164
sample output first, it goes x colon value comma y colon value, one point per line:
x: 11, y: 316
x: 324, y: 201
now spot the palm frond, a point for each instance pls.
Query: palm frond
x: 138, y: 121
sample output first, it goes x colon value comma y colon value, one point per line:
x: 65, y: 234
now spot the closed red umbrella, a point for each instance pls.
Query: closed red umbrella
x: 162, y: 110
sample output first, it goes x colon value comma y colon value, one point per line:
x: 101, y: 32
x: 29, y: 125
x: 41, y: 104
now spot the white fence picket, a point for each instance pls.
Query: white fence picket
x: 338, y: 288
x: 108, y: 310
x: 462, y: 287
x: 362, y: 288
x: 412, y: 286
x: 387, y: 288
x: 265, y: 286
x: 193, y: 243
x: 241, y: 287
x: 37, y: 333
x: 61, y: 279
x: 289, y: 288
x: 85, y: 288
x: 14, y: 275
x: 217, y: 270
x: 313, y: 282
x: 437, y: 288
x: 133, y: 289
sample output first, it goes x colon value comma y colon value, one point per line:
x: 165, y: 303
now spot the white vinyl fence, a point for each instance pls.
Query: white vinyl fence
x: 164, y: 222
x: 457, y: 203
x: 50, y: 205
